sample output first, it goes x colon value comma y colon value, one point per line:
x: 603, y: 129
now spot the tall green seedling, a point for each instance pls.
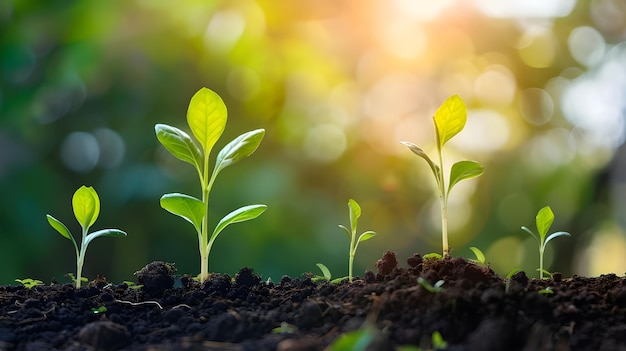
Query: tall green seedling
x: 355, y: 213
x: 206, y: 117
x: 544, y: 220
x: 449, y: 120
x: 86, y: 206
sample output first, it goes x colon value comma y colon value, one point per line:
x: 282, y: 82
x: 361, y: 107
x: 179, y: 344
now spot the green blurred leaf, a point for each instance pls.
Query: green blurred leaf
x: 241, y: 147
x: 187, y: 207
x: 450, y: 119
x: 179, y: 144
x: 464, y: 170
x: 480, y: 256
x: 355, y: 213
x: 60, y: 227
x: 347, y: 231
x: 325, y: 271
x: 357, y: 340
x: 206, y: 117
x: 86, y: 205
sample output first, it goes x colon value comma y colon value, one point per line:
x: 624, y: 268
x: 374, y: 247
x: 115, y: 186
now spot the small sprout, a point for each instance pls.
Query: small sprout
x: 480, y: 257
x: 432, y: 256
x: 86, y: 206
x: 99, y: 310
x: 285, y: 328
x: 356, y: 340
x: 438, y: 342
x: 73, y: 278
x: 546, y: 291
x: 326, y: 275
x: 507, y: 285
x: 355, y: 213
x: 545, y: 272
x: 437, y: 288
x: 449, y: 120
x: 544, y: 220
x: 29, y: 283
x: 132, y: 285
x: 206, y: 117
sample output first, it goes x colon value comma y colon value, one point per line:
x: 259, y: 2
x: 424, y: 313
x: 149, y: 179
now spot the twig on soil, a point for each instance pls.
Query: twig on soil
x: 140, y: 303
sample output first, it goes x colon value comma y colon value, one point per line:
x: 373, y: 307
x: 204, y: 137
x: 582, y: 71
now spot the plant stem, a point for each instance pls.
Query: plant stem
x: 443, y: 196
x: 80, y: 259
x: 204, y: 251
x: 541, y: 249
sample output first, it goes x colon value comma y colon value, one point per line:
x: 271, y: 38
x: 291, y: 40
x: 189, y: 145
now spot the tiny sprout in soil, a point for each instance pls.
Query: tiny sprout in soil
x: 355, y: 213
x: 449, y: 120
x: 544, y: 220
x: 29, y: 283
x: 326, y: 275
x: 86, y: 206
x: 206, y: 117
x: 480, y: 256
x: 437, y: 288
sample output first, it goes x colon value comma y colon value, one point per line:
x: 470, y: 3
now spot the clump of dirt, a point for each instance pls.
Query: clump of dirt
x: 474, y: 310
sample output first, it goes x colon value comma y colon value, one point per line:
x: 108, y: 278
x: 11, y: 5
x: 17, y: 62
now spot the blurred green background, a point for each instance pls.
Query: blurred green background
x: 337, y: 85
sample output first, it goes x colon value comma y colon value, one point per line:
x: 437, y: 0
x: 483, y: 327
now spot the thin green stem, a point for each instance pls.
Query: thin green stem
x: 444, y: 208
x: 80, y: 259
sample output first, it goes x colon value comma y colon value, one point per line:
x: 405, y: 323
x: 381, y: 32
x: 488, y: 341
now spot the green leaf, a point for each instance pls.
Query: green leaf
x: 347, y: 231
x: 464, y: 170
x: 60, y: 227
x: 325, y: 271
x: 242, y: 214
x: 532, y: 234
x: 480, y: 256
x: 556, y: 235
x: 366, y: 236
x: 419, y: 152
x: 240, y: 148
x: 206, y: 117
x: 438, y: 341
x: 187, y: 207
x: 179, y: 144
x: 103, y: 232
x: 355, y: 213
x: 544, y: 220
x: 450, y: 119
x: 357, y: 340
x: 86, y: 205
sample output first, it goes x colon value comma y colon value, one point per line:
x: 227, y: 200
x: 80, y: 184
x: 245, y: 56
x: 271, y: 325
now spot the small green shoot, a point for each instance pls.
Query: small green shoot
x: 99, y: 310
x: 480, y: 256
x: 432, y: 256
x: 507, y: 285
x: 326, y: 275
x: 206, y: 117
x: 544, y: 220
x: 546, y: 291
x: 355, y: 213
x: 438, y: 343
x: 29, y: 283
x: 73, y: 278
x: 132, y: 285
x: 437, y: 288
x: 449, y: 120
x: 86, y: 206
x: 356, y: 340
x: 285, y: 328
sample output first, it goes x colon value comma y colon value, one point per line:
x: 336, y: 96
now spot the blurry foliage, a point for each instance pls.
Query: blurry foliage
x: 336, y: 85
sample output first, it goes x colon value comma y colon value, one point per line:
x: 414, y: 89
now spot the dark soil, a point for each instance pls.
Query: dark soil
x: 475, y: 311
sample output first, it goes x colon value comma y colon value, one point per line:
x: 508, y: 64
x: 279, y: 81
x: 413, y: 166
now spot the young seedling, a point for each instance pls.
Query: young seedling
x: 510, y: 275
x: 449, y: 120
x: 326, y: 275
x: 355, y: 213
x: 29, y: 283
x: 544, y: 220
x: 86, y: 206
x: 437, y: 288
x: 206, y: 117
x: 480, y: 256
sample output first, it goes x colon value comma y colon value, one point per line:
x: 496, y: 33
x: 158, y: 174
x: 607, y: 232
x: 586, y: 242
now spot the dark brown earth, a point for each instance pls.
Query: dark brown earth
x: 475, y: 311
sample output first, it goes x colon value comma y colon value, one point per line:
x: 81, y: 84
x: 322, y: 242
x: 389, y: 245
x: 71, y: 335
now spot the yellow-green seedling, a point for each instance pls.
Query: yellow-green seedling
x: 480, y: 256
x: 544, y: 220
x: 449, y: 120
x: 355, y: 213
x: 437, y: 288
x: 206, y: 117
x: 326, y: 275
x: 546, y: 291
x: 86, y: 206
x: 29, y: 283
